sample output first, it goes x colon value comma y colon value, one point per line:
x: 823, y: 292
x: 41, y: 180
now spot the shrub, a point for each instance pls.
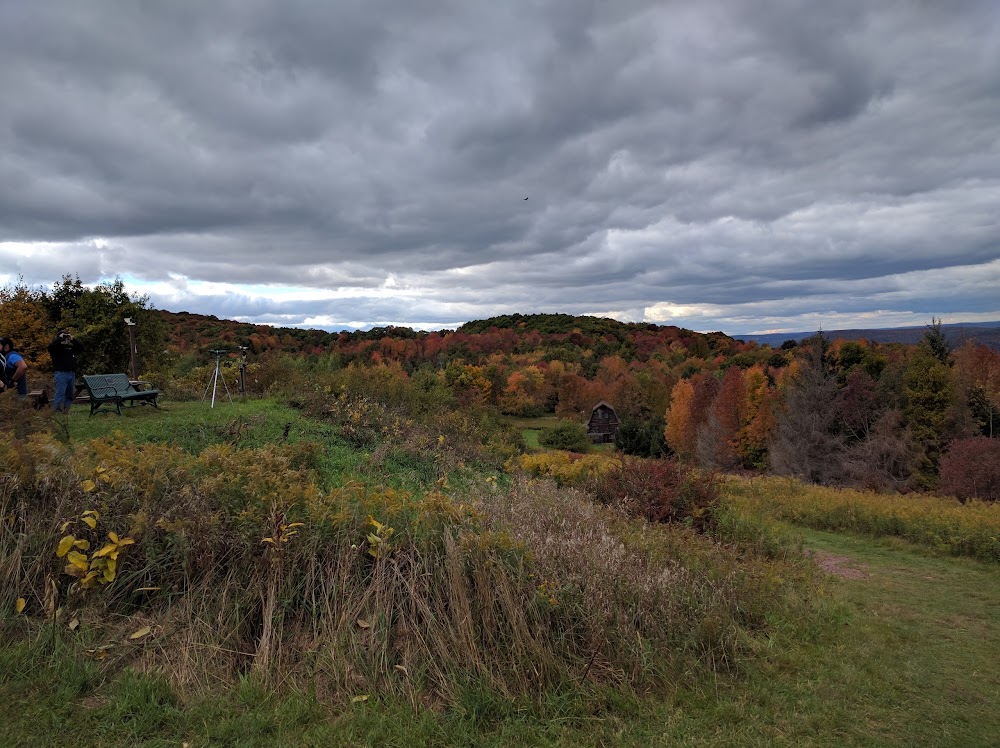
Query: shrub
x: 566, y: 468
x: 971, y: 469
x: 658, y: 490
x: 642, y: 438
x: 568, y: 435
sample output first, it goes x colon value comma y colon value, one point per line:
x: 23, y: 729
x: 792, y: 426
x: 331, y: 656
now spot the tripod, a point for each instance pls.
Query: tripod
x: 213, y: 380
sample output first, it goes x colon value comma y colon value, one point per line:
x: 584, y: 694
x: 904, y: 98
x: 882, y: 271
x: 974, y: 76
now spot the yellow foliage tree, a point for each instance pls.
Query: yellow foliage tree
x: 25, y: 321
x: 758, y: 420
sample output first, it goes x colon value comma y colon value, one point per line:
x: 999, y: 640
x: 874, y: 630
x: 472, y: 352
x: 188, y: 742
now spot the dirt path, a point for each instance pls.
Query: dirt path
x: 840, y: 566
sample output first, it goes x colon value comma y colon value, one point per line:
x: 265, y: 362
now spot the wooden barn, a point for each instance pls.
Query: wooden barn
x: 603, y: 423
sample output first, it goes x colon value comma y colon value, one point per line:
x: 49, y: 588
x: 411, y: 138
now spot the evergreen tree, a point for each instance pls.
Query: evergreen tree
x: 642, y: 438
x: 936, y: 342
x: 927, y: 395
x: 807, y: 442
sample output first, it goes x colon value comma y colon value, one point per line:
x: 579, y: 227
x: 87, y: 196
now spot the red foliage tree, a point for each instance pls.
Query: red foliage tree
x: 971, y: 469
x: 717, y: 437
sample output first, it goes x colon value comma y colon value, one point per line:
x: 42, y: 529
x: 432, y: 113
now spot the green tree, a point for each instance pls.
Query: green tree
x: 936, y: 342
x: 927, y: 395
x: 642, y: 437
x: 97, y: 318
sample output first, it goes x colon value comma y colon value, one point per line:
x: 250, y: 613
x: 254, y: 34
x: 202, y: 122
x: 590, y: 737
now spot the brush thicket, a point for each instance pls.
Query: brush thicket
x: 242, y: 564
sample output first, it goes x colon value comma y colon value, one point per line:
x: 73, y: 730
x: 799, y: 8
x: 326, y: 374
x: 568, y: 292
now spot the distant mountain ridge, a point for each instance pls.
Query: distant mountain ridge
x: 980, y: 333
x: 188, y: 331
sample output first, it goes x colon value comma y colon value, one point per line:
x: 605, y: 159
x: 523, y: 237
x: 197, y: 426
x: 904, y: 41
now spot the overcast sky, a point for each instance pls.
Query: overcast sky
x: 744, y: 166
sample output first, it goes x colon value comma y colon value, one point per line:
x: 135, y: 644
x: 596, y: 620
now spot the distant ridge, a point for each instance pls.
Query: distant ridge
x: 980, y: 333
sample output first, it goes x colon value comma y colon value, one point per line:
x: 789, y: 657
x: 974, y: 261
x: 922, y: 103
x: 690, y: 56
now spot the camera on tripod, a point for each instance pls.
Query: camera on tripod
x: 213, y: 380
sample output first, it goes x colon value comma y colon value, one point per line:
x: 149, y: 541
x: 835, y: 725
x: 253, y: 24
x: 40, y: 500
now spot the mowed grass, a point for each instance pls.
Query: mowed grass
x: 194, y: 425
x: 531, y: 428
x: 903, y: 656
x: 253, y: 423
x: 906, y: 658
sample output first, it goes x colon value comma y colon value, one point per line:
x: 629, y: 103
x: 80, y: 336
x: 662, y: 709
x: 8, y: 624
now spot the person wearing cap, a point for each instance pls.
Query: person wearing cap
x: 14, y: 369
x: 64, y: 349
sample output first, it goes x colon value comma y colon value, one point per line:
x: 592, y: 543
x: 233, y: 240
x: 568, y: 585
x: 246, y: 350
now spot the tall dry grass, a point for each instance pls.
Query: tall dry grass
x: 969, y: 529
x: 241, y: 563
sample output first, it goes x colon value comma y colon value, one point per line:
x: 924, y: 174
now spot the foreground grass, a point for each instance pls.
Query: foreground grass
x: 898, y: 657
x: 904, y: 656
x: 905, y: 664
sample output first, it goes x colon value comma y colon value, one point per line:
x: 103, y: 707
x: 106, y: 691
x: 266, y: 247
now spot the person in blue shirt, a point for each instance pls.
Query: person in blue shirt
x: 14, y: 369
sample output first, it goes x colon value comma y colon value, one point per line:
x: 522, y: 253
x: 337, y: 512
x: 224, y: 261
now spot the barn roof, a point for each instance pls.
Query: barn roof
x: 605, y: 404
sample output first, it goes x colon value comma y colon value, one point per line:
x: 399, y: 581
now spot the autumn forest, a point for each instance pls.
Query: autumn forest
x: 851, y: 413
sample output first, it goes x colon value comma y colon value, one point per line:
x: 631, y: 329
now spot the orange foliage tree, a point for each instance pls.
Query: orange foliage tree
x: 524, y: 394
x: 677, y: 418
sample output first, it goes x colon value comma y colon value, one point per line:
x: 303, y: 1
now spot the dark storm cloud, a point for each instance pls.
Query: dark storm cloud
x: 719, y: 158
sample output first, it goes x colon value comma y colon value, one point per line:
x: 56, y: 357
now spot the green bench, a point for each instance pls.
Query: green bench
x: 115, y: 389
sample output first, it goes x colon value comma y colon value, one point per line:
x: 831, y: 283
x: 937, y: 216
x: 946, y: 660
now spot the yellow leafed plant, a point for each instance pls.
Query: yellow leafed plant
x: 99, y: 568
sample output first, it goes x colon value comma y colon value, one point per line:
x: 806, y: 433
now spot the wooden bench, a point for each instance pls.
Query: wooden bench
x: 115, y: 389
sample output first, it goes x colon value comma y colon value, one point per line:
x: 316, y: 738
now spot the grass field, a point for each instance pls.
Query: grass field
x: 193, y: 426
x: 901, y: 651
x: 905, y: 657
x: 530, y: 428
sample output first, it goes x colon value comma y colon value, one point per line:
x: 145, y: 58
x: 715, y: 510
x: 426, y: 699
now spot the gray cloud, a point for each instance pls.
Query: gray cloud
x: 719, y: 160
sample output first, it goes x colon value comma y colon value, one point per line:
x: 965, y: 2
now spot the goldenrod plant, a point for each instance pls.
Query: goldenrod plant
x: 378, y: 539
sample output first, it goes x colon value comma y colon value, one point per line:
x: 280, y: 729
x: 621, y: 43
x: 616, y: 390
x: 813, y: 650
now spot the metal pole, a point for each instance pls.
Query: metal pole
x: 226, y: 387
x: 243, y: 370
x: 133, y: 352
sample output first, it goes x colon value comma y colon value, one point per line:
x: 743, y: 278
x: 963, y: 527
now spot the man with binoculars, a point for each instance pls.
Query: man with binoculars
x: 64, y: 350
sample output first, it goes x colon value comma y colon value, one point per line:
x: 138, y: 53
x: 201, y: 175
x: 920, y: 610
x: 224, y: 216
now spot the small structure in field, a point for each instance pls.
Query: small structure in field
x: 603, y: 424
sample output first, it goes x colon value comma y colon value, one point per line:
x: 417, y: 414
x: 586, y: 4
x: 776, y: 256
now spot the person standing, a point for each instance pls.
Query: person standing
x: 14, y: 369
x: 64, y: 350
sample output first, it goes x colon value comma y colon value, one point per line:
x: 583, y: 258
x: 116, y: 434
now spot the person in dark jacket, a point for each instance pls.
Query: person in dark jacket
x: 64, y: 350
x: 14, y: 374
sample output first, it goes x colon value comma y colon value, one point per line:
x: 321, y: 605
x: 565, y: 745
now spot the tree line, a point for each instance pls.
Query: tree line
x: 879, y: 415
x: 96, y: 315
